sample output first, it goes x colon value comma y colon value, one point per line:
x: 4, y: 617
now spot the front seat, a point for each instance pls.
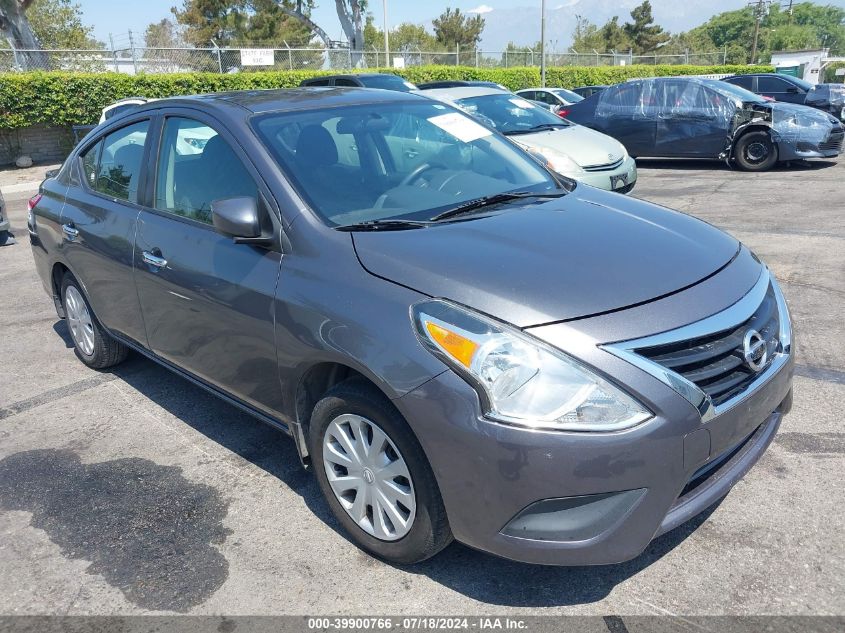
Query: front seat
x: 328, y: 182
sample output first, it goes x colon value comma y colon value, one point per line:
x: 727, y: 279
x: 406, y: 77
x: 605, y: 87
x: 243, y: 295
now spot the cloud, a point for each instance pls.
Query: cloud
x: 480, y: 9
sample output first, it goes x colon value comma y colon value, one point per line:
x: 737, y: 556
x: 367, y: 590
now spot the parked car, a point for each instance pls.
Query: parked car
x: 460, y: 343
x: 571, y: 150
x: 457, y: 83
x: 588, y: 91
x: 687, y: 117
x: 4, y: 222
x: 121, y: 106
x: 384, y: 81
x: 827, y: 97
x: 553, y: 97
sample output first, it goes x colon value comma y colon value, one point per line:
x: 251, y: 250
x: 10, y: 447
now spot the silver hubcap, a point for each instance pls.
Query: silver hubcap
x: 79, y: 321
x: 369, y: 477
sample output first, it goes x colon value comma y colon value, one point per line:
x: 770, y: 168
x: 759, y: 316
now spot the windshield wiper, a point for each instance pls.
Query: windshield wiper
x: 537, y: 128
x: 383, y: 225
x: 486, y: 201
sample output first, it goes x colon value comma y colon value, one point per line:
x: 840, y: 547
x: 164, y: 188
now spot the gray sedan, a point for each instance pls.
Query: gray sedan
x: 460, y: 343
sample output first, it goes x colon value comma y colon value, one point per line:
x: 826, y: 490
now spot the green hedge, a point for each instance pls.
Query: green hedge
x: 59, y: 98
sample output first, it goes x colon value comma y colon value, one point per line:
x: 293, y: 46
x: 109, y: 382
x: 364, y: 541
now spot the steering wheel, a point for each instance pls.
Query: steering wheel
x: 419, y: 171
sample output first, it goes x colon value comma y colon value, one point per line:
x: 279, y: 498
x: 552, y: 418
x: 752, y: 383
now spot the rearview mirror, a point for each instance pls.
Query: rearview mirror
x: 239, y: 219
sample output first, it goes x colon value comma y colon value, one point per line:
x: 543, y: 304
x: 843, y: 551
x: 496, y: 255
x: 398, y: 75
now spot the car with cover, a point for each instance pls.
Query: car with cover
x: 686, y: 117
x: 461, y: 343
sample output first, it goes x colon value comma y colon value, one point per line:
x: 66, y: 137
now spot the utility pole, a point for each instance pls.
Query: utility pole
x: 386, y: 41
x: 542, y: 43
x: 761, y: 8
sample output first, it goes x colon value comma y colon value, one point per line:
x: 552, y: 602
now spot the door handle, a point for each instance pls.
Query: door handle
x: 70, y: 231
x: 153, y: 260
x: 411, y: 153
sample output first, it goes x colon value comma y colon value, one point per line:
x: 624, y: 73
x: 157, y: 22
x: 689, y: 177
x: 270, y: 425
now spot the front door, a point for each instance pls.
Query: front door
x: 692, y: 120
x: 207, y: 302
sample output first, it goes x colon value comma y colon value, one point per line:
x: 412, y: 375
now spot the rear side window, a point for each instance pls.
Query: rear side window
x: 742, y: 82
x: 316, y: 82
x: 342, y: 81
x: 113, y: 166
x: 196, y: 167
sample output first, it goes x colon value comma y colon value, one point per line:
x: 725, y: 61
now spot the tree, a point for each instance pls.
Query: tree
x: 614, y: 36
x: 229, y: 22
x: 15, y: 25
x: 454, y: 29
x: 586, y: 37
x: 645, y: 35
x: 163, y: 34
x: 351, y: 16
x: 58, y: 24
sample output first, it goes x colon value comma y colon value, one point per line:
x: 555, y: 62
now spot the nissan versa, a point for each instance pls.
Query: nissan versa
x: 462, y: 344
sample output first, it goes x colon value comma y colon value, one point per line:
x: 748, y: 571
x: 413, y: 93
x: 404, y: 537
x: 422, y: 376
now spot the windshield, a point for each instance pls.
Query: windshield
x: 735, y: 91
x: 568, y: 95
x: 388, y: 82
x: 407, y: 160
x: 510, y: 114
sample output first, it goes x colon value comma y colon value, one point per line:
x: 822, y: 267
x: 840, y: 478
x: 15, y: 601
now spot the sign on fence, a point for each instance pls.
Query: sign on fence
x: 256, y: 57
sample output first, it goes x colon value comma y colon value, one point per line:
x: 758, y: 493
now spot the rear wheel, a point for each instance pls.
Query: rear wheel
x: 374, y: 475
x: 92, y: 344
x: 755, y: 151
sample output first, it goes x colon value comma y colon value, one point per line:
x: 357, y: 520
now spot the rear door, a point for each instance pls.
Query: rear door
x: 207, y: 302
x: 99, y: 220
x: 628, y: 113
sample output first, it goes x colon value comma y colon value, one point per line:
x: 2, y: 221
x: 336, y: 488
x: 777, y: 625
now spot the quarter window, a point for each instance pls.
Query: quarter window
x: 116, y: 169
x: 196, y: 167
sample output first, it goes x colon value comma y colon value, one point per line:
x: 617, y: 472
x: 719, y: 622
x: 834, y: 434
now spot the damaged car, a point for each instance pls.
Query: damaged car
x: 687, y: 117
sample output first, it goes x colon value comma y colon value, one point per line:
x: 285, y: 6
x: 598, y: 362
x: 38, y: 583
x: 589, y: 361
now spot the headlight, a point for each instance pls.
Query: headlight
x: 557, y: 162
x: 520, y: 380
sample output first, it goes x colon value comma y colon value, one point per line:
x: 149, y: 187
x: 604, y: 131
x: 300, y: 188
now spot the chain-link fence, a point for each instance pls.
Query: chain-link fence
x: 226, y: 60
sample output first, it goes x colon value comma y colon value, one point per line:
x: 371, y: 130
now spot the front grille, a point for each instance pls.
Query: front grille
x: 606, y: 167
x: 716, y: 363
x: 833, y: 142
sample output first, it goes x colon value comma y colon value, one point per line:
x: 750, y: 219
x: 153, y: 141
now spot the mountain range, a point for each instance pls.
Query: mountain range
x: 521, y: 24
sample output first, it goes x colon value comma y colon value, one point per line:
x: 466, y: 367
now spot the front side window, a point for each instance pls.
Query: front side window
x: 195, y: 167
x: 119, y: 164
x: 400, y: 160
x: 770, y: 85
x: 90, y: 162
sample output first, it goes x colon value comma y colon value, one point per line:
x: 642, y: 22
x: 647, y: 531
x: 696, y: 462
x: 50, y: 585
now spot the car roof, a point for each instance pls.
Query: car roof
x: 463, y: 92
x: 285, y: 99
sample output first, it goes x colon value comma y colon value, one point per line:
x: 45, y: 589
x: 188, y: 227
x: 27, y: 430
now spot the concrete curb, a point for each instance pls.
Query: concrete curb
x: 21, y: 186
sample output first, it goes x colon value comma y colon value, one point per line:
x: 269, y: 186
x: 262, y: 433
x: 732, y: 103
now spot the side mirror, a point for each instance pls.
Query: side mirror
x: 239, y: 219
x: 793, y: 90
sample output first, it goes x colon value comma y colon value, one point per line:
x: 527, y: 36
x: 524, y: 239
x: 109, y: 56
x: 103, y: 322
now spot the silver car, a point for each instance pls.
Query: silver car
x: 566, y: 148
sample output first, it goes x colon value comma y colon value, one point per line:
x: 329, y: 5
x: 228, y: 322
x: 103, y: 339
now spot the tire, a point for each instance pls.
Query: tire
x: 92, y: 344
x: 755, y: 151
x: 426, y: 531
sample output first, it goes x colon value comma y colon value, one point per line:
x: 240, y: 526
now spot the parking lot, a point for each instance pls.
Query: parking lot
x: 132, y: 491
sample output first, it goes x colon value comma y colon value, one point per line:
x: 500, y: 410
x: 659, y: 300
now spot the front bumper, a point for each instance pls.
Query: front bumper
x: 622, y: 179
x: 565, y: 498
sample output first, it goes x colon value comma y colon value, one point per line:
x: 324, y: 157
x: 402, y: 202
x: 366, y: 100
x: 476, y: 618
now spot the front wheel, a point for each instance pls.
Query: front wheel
x: 755, y: 151
x: 374, y: 475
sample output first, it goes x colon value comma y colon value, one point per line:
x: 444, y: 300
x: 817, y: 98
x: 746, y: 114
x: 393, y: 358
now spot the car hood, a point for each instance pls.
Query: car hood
x: 586, y: 147
x: 589, y: 252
